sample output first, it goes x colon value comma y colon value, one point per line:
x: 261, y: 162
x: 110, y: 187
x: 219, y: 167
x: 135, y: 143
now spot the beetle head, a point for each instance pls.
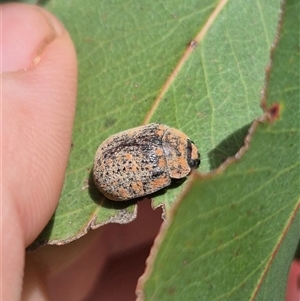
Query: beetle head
x: 193, y: 156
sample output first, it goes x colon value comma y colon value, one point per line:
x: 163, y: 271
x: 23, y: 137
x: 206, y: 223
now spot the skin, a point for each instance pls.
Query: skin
x: 37, y: 110
x: 38, y: 101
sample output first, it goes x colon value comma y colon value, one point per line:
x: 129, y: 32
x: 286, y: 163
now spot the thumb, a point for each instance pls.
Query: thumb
x: 39, y: 82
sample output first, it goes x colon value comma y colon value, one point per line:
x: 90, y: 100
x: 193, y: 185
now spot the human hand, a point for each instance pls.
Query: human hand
x: 39, y: 82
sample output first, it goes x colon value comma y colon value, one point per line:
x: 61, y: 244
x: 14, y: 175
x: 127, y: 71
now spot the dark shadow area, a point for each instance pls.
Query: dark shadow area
x: 100, y: 199
x: 43, y: 237
x: 228, y: 147
x: 297, y: 253
x: 110, y: 260
x: 120, y: 275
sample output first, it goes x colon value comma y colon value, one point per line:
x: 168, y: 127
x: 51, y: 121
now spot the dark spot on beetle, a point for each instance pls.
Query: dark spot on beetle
x: 156, y: 141
x: 157, y: 173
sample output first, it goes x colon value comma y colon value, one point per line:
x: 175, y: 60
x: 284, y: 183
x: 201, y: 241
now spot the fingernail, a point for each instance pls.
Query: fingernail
x: 26, y: 32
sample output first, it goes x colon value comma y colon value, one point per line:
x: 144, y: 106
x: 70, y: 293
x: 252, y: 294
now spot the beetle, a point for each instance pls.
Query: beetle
x: 143, y: 160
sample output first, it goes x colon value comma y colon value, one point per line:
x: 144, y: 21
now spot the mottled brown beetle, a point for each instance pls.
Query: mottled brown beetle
x: 143, y: 160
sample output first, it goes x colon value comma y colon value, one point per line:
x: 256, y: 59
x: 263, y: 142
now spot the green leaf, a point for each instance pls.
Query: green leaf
x: 234, y: 234
x: 132, y: 69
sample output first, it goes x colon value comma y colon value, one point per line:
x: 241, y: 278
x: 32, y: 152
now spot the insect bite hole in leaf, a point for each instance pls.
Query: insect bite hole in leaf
x: 274, y: 112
